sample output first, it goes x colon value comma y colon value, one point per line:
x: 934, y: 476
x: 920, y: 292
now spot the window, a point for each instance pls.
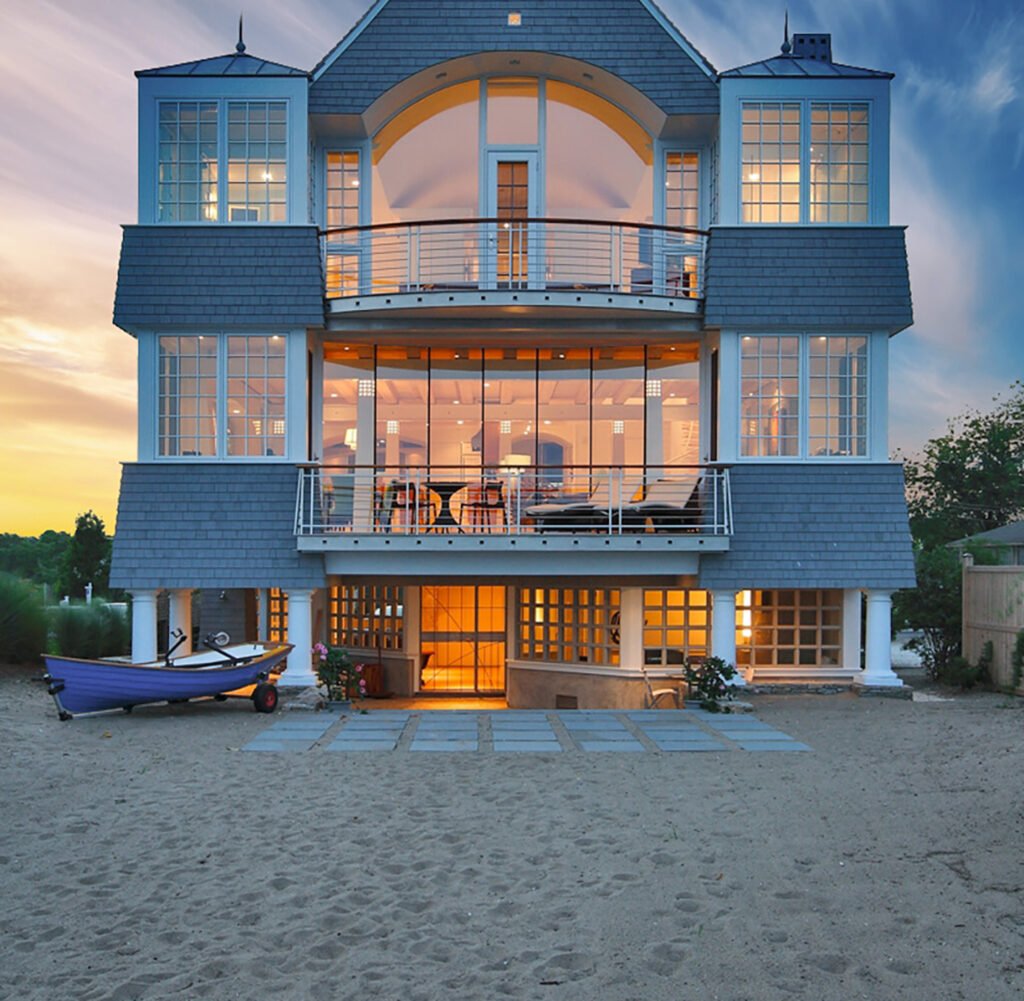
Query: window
x: 675, y: 626
x: 221, y: 396
x: 804, y: 396
x: 682, y: 189
x: 367, y: 617
x: 839, y: 163
x: 255, y: 396
x: 277, y: 615
x: 838, y: 396
x: 342, y: 189
x: 204, y: 142
x: 569, y: 625
x: 770, y: 404
x: 789, y: 628
x: 187, y: 162
x: 771, y: 162
x: 805, y: 161
x: 187, y: 396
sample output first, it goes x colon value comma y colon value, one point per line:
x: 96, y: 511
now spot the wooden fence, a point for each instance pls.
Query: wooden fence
x: 993, y: 609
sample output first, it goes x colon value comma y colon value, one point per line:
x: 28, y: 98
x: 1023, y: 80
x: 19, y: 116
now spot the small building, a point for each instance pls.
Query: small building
x: 1006, y: 543
x: 518, y: 346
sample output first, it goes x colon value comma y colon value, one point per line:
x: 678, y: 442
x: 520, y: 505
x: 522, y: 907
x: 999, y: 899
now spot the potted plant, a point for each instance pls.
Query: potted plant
x: 342, y: 679
x: 709, y: 682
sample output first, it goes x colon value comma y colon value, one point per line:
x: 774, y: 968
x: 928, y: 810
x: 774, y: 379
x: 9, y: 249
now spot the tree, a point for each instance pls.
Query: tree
x: 970, y: 479
x: 87, y: 559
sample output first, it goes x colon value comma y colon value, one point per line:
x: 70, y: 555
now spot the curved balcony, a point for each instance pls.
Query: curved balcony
x: 514, y: 262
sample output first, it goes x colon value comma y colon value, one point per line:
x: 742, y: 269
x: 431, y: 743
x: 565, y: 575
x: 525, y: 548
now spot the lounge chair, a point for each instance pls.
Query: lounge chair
x: 598, y: 511
x: 669, y: 505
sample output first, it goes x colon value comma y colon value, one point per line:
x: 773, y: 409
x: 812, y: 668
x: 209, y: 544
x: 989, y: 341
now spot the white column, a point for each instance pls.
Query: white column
x: 723, y: 629
x: 180, y: 617
x: 263, y: 613
x: 631, y: 628
x: 143, y: 626
x: 412, y: 606
x: 878, y: 646
x: 300, y: 635
x: 851, y: 629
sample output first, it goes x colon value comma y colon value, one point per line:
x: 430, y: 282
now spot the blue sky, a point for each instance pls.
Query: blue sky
x: 67, y: 182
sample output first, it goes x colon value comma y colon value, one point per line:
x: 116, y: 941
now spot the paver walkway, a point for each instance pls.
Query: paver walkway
x: 525, y: 731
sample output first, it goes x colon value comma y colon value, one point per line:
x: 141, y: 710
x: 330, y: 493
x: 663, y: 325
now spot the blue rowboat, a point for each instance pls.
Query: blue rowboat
x: 88, y: 686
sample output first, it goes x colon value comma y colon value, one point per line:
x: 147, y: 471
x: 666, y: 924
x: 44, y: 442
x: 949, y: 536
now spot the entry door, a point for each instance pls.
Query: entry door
x: 513, y: 243
x: 462, y: 639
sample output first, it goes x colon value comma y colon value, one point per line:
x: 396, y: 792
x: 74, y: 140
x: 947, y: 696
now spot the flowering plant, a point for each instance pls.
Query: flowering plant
x: 336, y: 672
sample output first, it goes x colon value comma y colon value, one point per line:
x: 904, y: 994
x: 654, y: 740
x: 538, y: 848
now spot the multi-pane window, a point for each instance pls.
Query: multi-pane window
x: 277, y: 615
x: 837, y: 411
x: 366, y: 617
x: 789, y: 628
x: 256, y: 395
x: 257, y: 161
x: 676, y: 625
x: 682, y: 189
x: 770, y: 396
x: 219, y: 395
x: 569, y: 625
x: 187, y: 396
x: 187, y: 161
x: 342, y: 188
x: 839, y: 163
x: 771, y: 162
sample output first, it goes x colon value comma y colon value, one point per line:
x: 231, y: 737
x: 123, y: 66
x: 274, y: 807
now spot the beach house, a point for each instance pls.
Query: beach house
x: 518, y: 349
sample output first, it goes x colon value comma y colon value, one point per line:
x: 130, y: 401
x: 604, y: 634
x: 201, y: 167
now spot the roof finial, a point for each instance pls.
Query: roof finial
x: 786, y: 47
x: 240, y: 47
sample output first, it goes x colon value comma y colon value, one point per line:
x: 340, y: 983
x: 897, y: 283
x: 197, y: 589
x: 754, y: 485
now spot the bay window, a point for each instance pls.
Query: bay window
x: 804, y: 396
x: 221, y: 396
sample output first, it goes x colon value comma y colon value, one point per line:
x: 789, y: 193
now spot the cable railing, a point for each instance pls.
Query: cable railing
x: 495, y: 254
x: 534, y: 500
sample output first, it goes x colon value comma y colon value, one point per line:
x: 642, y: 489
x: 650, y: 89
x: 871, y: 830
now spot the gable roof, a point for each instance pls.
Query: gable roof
x: 632, y: 39
x: 1006, y: 535
x: 232, y: 64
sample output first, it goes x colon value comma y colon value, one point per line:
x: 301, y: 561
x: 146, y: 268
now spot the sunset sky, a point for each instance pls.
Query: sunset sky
x: 67, y: 183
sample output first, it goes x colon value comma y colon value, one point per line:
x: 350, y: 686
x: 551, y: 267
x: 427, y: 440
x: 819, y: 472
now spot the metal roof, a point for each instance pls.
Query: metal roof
x: 232, y: 64
x: 795, y: 66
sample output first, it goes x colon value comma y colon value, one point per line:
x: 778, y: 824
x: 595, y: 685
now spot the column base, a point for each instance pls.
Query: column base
x: 297, y: 678
x: 864, y: 680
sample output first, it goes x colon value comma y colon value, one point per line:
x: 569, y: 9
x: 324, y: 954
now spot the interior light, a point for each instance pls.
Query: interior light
x: 267, y: 176
x: 515, y: 19
x: 355, y: 182
x: 455, y: 403
x: 754, y: 177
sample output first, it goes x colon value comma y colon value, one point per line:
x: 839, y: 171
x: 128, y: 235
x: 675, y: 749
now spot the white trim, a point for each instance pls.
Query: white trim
x: 677, y: 36
x: 353, y: 34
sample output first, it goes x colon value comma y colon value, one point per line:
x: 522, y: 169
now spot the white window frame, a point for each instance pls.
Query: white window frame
x: 221, y: 436
x: 803, y: 417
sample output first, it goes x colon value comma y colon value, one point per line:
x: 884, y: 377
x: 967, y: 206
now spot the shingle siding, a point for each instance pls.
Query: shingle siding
x: 219, y: 276
x: 620, y: 36
x: 811, y: 526
x: 220, y: 525
x: 850, y: 277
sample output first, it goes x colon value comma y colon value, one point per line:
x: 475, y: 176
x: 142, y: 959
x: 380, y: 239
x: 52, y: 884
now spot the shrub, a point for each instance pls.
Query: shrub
x: 22, y: 621
x: 89, y: 631
x: 709, y: 683
x: 1017, y: 660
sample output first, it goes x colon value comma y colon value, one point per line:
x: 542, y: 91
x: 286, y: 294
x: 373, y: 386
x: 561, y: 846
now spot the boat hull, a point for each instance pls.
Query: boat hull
x: 87, y: 686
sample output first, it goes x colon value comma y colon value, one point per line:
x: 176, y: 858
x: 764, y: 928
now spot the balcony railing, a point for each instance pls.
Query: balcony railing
x: 450, y: 500
x: 552, y: 255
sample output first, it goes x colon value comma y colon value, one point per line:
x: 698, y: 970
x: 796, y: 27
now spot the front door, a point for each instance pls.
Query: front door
x: 462, y: 639
x: 514, y: 254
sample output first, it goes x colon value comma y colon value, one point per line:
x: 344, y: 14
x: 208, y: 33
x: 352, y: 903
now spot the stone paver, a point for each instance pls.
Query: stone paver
x: 524, y: 731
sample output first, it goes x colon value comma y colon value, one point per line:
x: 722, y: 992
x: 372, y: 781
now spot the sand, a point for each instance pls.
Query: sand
x: 146, y: 856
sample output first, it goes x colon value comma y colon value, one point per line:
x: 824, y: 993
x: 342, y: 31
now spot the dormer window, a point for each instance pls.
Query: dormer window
x: 223, y: 161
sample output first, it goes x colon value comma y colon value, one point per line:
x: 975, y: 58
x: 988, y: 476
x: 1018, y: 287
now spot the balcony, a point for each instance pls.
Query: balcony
x: 523, y: 263
x: 664, y: 513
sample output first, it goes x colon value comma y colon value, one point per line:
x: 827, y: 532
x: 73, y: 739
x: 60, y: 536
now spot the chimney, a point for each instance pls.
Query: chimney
x: 816, y: 46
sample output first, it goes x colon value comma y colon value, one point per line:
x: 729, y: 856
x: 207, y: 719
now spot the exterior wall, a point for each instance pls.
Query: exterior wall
x: 993, y: 609
x: 532, y: 687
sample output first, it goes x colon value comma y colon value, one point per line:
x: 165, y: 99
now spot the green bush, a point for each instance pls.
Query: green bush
x: 89, y: 631
x: 1017, y: 660
x: 22, y: 621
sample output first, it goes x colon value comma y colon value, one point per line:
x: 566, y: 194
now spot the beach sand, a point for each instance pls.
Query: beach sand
x: 146, y: 856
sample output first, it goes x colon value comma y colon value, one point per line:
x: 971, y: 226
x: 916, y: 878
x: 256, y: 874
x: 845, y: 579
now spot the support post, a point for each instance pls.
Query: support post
x: 143, y: 626
x: 300, y: 635
x: 851, y: 629
x: 180, y: 617
x: 631, y: 628
x: 878, y: 670
x: 263, y: 613
x: 723, y: 629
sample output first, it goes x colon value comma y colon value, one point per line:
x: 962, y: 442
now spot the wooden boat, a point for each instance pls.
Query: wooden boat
x: 244, y: 670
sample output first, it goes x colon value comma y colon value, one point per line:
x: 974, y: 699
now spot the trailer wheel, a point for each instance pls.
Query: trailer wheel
x: 220, y: 697
x: 264, y: 698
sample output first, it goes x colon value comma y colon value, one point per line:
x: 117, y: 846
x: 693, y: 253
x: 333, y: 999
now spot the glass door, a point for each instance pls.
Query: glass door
x: 462, y: 639
x: 514, y: 254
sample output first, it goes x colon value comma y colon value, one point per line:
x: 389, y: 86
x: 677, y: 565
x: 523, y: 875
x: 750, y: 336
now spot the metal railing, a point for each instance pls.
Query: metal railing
x: 451, y: 500
x: 543, y: 254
